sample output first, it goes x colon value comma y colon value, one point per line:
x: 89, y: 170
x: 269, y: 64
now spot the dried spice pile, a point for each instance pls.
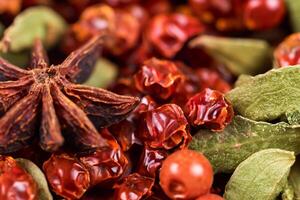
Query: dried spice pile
x: 152, y: 99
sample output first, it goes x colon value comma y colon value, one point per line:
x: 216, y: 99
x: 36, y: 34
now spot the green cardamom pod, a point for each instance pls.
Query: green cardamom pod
x: 243, y: 137
x: 262, y: 176
x: 36, y: 22
x: 38, y: 176
x: 241, y: 56
x: 271, y: 96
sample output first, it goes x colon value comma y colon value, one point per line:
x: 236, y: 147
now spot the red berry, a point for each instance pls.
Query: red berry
x: 210, y: 197
x: 186, y: 174
x: 288, y: 51
x: 263, y: 14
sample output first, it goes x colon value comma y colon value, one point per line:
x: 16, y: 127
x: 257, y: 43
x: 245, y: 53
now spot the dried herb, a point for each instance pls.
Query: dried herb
x: 38, y: 176
x: 241, y: 56
x: 261, y: 176
x: 65, y: 106
x: 37, y: 22
x: 270, y: 96
x: 242, y: 138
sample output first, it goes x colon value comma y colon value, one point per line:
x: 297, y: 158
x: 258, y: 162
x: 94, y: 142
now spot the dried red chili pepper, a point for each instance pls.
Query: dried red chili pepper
x: 223, y: 14
x: 100, y: 19
x: 150, y: 161
x: 146, y: 104
x: 159, y: 78
x: 65, y: 105
x: 67, y: 176
x: 15, y: 182
x: 124, y: 132
x: 209, y: 108
x: 288, y: 51
x: 164, y: 127
x: 105, y: 164
x: 168, y: 33
x: 211, y: 79
x: 134, y: 187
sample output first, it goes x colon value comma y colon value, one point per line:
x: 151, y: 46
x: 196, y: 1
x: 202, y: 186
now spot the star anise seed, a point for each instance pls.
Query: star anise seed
x: 66, y: 109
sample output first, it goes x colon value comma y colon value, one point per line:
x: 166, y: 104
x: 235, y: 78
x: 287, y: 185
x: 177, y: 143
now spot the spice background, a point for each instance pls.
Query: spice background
x: 149, y: 99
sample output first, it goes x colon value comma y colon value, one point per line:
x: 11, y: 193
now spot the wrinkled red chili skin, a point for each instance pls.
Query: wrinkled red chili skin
x: 15, y: 183
x: 106, y: 164
x: 158, y: 78
x: 211, y: 79
x: 210, y: 197
x: 151, y: 161
x: 288, y: 51
x: 164, y: 128
x: 209, y: 108
x: 66, y: 176
x: 134, y: 187
x: 125, y: 134
x: 147, y: 103
x: 186, y: 174
x: 168, y: 33
x: 100, y: 19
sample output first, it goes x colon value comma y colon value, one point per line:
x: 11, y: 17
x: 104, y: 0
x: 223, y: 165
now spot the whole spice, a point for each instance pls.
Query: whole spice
x: 288, y: 51
x: 186, y: 174
x: 168, y: 33
x: 164, y: 127
x: 150, y: 161
x: 65, y: 105
x: 227, y: 15
x: 106, y: 164
x: 66, y: 176
x: 134, y: 187
x: 209, y: 108
x: 263, y: 14
x: 159, y: 78
x: 100, y: 19
x: 263, y: 175
x: 15, y: 182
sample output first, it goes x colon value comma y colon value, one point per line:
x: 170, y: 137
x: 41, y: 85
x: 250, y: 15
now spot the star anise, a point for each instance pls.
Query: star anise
x: 45, y: 96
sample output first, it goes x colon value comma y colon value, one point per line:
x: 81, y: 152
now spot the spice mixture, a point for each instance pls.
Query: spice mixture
x: 149, y: 99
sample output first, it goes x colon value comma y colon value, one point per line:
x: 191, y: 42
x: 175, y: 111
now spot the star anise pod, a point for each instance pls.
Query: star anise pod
x: 45, y: 97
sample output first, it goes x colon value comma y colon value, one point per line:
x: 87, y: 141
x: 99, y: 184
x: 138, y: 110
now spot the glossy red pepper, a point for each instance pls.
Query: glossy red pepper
x: 263, y: 14
x: 186, y: 174
x: 66, y: 176
x: 158, y: 78
x: 164, y: 127
x: 168, y: 33
x: 288, y: 51
x: 209, y: 108
x: 15, y: 182
x: 151, y: 161
x: 105, y: 164
x: 134, y: 187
